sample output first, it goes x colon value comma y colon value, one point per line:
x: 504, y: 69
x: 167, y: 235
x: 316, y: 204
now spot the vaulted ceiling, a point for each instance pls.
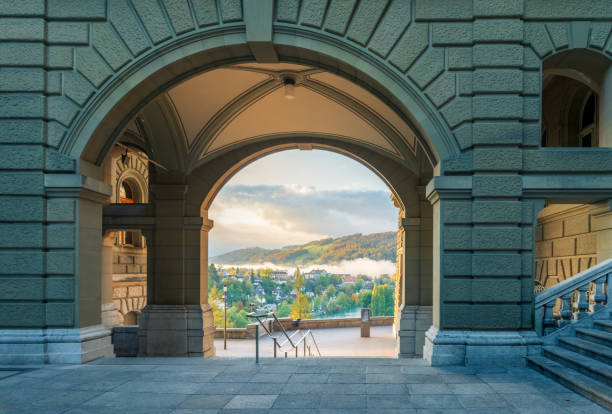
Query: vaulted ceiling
x: 229, y: 106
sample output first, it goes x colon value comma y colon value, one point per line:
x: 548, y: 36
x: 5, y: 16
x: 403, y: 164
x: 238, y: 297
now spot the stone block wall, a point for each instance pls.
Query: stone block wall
x: 129, y: 261
x: 467, y: 72
x: 566, y: 243
x: 129, y: 281
x: 129, y: 295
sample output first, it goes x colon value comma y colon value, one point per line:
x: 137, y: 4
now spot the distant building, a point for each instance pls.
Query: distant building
x: 348, y: 279
x: 314, y: 273
x: 279, y: 275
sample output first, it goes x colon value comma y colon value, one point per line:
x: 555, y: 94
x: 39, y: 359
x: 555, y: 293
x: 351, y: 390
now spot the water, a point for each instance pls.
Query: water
x: 351, y: 313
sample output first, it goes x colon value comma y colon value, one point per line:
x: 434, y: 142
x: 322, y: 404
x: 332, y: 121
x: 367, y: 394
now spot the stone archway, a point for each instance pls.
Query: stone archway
x: 413, y: 313
x: 470, y: 93
x: 122, y: 95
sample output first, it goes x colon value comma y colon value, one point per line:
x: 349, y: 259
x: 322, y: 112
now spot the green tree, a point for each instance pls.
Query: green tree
x: 236, y: 318
x: 268, y: 285
x: 213, y: 276
x: 382, y: 301
x: 283, y: 310
x: 365, y: 298
x: 301, y: 305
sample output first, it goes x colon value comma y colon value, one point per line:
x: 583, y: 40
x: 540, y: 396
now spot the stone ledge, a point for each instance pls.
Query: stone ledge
x: 59, y: 346
x: 477, y: 348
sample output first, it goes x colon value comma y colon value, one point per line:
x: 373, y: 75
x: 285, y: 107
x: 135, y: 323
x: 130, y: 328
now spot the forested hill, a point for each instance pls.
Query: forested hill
x: 375, y: 246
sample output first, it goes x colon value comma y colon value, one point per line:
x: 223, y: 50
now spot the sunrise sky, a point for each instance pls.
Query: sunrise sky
x: 293, y: 197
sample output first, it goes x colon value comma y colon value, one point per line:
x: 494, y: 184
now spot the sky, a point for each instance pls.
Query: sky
x: 293, y: 197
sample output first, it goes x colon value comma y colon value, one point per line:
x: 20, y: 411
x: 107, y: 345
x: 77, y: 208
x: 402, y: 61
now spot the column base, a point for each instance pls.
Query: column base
x: 111, y: 315
x: 480, y: 348
x: 412, y: 324
x: 55, y: 346
x: 176, y: 331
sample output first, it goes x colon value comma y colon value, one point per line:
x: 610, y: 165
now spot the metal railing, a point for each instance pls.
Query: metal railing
x: 575, y: 298
x: 291, y: 343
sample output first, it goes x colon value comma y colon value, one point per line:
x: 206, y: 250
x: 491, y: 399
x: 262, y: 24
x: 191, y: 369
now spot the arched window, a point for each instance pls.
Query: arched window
x: 587, y: 136
x: 571, y: 83
x: 128, y: 194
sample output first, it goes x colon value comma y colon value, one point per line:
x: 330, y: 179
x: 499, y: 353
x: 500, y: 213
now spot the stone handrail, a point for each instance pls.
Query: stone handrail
x: 578, y: 296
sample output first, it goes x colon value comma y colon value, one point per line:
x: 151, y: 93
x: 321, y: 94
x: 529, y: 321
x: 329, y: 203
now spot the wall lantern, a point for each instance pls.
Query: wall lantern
x: 289, y: 88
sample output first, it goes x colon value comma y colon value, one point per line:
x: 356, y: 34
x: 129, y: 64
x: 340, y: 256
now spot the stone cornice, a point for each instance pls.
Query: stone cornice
x: 451, y: 187
x: 578, y: 187
x: 77, y: 186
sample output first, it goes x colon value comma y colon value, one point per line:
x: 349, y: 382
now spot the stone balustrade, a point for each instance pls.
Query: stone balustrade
x: 573, y: 299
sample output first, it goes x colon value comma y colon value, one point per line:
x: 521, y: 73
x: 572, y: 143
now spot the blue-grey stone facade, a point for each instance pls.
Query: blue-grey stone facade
x: 465, y: 75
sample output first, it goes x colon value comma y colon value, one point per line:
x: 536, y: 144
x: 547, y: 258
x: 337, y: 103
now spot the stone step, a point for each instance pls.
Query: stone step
x: 587, y: 366
x: 591, y: 349
x: 595, y: 335
x: 586, y: 386
x: 603, y: 325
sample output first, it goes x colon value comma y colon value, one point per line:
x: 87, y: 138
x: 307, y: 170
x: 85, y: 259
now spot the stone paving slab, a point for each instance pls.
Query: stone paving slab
x: 334, y: 342
x: 321, y: 386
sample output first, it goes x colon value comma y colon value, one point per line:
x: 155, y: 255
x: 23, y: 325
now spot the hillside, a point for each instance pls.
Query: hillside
x: 375, y: 246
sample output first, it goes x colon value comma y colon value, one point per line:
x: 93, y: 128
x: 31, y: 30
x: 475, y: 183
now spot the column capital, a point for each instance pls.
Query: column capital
x: 77, y: 186
x: 193, y: 223
x: 108, y: 238
x: 410, y: 223
x: 207, y: 224
x: 452, y: 187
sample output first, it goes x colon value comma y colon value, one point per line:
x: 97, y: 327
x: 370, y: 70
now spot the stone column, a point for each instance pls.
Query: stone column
x: 87, y: 338
x: 482, y: 273
x: 110, y: 314
x: 415, y: 311
x: 399, y: 266
x: 208, y: 320
x: 605, y: 111
x: 174, y: 321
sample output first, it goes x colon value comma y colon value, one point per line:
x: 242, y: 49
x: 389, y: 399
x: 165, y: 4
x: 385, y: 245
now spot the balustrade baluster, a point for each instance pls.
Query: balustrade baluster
x: 583, y: 303
x: 608, y: 288
x: 550, y: 323
x: 599, y: 295
x: 566, y: 309
x: 577, y: 298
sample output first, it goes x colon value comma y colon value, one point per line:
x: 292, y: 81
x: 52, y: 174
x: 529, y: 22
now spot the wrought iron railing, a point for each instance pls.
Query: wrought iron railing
x: 574, y: 298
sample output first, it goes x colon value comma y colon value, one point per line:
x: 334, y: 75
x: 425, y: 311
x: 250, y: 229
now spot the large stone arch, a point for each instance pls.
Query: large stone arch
x: 125, y: 88
x: 466, y: 74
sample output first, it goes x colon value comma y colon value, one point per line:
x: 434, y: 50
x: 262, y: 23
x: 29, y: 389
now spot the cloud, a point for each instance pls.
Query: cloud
x: 277, y: 215
x: 361, y: 266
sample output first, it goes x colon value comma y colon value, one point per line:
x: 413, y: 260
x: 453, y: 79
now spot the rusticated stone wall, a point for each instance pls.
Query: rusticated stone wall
x: 565, y: 243
x: 466, y: 72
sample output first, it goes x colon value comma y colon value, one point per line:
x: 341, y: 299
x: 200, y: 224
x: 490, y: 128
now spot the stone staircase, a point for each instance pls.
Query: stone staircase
x: 577, y: 340
x: 582, y: 362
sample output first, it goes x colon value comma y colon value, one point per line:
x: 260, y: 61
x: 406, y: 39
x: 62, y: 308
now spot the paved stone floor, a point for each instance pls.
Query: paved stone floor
x: 336, y: 342
x: 308, y: 385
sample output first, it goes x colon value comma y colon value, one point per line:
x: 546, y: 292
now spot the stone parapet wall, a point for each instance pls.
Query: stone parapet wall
x: 288, y: 324
x: 565, y: 243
